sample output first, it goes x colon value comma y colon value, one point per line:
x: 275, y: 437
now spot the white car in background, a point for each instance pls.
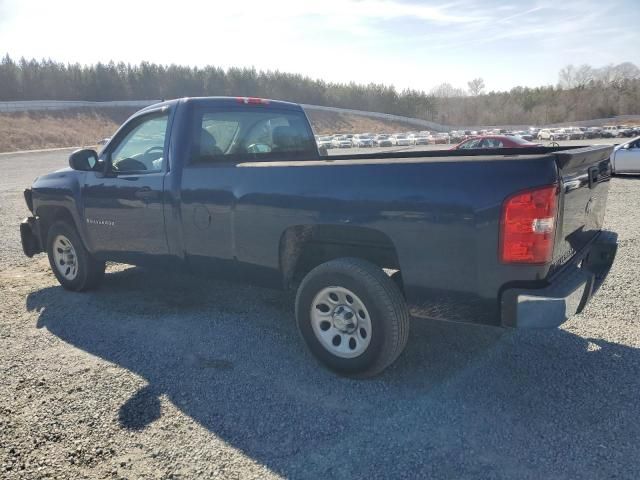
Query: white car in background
x: 610, y: 131
x: 324, y: 141
x: 362, y: 140
x: 341, y: 141
x: 626, y: 157
x: 544, y: 134
x: 400, y: 140
x: 552, y: 134
x: 383, y: 140
x: 419, y: 139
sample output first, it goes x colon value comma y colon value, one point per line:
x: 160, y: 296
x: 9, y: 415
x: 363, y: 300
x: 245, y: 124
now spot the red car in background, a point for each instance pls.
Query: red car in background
x: 494, y: 141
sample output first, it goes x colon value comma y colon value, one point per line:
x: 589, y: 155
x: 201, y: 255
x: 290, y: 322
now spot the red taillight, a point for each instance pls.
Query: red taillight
x: 252, y: 101
x: 528, y: 225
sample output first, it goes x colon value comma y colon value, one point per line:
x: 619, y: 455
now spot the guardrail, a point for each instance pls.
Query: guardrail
x: 39, y: 105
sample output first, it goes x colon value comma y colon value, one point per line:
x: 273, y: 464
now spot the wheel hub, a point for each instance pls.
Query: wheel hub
x: 64, y: 257
x: 344, y: 319
x: 341, y: 322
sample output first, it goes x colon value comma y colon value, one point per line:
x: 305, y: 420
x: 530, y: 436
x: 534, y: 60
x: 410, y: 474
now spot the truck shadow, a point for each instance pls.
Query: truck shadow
x: 462, y: 401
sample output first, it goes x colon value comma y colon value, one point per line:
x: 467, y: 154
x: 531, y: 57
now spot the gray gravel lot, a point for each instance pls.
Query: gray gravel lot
x: 163, y: 375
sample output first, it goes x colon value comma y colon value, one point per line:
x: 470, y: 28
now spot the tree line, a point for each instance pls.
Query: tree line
x: 582, y: 92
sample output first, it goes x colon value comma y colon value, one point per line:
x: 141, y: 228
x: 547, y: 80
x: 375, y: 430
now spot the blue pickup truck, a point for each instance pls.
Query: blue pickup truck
x: 236, y: 187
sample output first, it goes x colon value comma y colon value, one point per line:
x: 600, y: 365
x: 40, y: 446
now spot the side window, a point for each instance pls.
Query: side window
x: 472, y: 143
x: 142, y: 148
x: 237, y: 135
x: 491, y: 143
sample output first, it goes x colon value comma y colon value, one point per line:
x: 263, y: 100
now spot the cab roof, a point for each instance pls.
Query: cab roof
x: 230, y: 102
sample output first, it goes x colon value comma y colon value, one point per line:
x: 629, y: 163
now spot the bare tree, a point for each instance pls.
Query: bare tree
x: 446, y: 90
x: 575, y: 77
x: 476, y: 86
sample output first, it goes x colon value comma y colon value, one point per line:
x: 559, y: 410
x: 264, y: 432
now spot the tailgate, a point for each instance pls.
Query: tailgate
x: 584, y: 183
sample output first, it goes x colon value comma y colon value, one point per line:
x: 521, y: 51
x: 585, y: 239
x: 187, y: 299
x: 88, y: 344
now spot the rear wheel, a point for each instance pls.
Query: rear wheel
x: 352, y: 316
x: 71, y: 263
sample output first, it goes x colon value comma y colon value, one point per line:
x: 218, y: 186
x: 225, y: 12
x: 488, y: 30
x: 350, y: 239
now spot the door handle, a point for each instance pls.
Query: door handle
x: 146, y: 193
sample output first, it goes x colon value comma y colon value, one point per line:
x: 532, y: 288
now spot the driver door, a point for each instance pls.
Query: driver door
x: 124, y: 211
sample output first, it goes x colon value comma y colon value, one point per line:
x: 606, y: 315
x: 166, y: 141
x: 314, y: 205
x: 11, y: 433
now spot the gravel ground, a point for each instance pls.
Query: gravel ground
x: 170, y: 376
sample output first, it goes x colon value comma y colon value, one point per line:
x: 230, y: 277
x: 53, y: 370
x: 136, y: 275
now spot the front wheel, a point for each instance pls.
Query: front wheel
x: 71, y: 263
x: 352, y: 317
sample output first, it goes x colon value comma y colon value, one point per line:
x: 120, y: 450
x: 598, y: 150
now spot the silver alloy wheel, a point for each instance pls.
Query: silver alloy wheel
x: 65, y: 257
x: 341, y: 322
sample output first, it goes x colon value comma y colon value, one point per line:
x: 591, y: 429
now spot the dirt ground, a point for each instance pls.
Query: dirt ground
x: 161, y: 375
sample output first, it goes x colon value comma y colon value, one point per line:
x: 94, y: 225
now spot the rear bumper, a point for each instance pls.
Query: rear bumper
x: 30, y: 236
x: 566, y: 294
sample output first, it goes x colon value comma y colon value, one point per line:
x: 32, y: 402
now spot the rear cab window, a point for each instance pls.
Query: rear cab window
x: 252, y: 133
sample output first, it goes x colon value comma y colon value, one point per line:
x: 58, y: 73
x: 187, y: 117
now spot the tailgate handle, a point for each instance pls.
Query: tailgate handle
x: 594, y: 174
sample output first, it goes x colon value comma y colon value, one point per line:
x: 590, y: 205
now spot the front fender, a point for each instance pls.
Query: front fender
x: 59, y: 195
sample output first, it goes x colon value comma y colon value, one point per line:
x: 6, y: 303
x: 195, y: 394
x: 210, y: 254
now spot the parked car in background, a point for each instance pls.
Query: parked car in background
x: 341, y: 141
x: 419, y: 139
x: 609, y: 131
x: 544, y: 134
x: 593, y: 132
x: 524, y: 135
x: 456, y: 135
x: 439, y: 138
x: 626, y: 157
x: 325, y: 141
x: 400, y: 139
x: 495, y: 141
x: 383, y: 140
x: 552, y: 134
x: 574, y: 133
x: 362, y: 140
x: 559, y: 134
x: 625, y: 131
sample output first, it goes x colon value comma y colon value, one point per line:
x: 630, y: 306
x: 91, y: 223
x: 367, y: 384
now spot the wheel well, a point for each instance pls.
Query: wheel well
x: 49, y: 215
x: 304, y: 247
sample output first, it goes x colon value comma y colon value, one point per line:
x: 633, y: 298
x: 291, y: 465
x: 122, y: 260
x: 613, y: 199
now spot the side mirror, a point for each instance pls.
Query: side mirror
x: 84, y: 159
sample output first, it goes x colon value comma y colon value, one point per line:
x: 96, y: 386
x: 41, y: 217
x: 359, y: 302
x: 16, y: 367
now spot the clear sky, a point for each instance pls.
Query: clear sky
x: 406, y: 43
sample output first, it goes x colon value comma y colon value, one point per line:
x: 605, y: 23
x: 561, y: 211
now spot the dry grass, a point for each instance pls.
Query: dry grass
x: 71, y: 128
x: 28, y: 131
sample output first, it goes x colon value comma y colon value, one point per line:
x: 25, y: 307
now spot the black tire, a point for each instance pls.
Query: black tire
x: 89, y: 270
x: 380, y: 294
